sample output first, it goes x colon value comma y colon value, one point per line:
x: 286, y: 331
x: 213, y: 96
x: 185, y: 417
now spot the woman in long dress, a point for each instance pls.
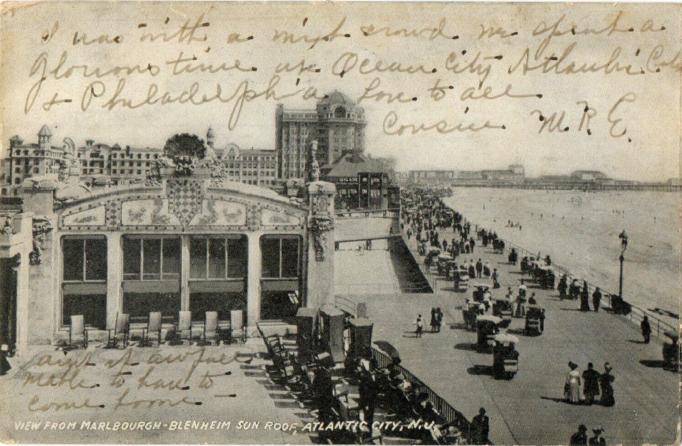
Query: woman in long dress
x: 572, y: 386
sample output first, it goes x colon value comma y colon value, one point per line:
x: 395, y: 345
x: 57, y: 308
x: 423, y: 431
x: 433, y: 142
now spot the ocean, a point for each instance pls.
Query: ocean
x: 579, y: 230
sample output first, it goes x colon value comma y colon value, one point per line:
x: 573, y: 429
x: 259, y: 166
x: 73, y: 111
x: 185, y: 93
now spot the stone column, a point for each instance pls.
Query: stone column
x: 320, y: 258
x: 184, y: 272
x: 114, y: 278
x: 253, y: 289
x: 22, y: 303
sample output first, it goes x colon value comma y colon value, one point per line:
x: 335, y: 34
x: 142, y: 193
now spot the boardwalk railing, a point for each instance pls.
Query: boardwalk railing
x: 636, y: 314
x: 380, y: 288
x: 451, y: 414
x: 364, y: 213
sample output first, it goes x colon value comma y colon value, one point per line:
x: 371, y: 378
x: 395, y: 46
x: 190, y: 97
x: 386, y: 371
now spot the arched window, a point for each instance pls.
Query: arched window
x: 340, y: 112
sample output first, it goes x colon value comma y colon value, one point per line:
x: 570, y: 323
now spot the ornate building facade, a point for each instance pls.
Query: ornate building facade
x: 187, y: 239
x: 337, y: 123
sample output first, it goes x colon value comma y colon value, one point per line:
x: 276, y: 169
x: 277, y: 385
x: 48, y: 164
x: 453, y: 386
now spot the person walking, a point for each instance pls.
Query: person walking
x: 597, y: 439
x: 572, y: 384
x: 579, y: 438
x: 479, y: 268
x: 646, y: 329
x: 439, y: 319
x: 584, y: 298
x: 596, y: 299
x: 472, y: 269
x: 531, y: 300
x: 523, y: 289
x: 420, y: 326
x: 563, y: 285
x: 495, y: 277
x: 606, y: 383
x: 434, y: 320
x: 590, y: 384
x: 480, y: 428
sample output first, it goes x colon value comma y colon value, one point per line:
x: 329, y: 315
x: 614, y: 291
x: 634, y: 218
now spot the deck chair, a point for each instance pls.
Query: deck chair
x: 185, y: 325
x: 77, y: 329
x: 153, y: 327
x: 237, y: 328
x: 121, y: 331
x: 210, y: 328
x: 349, y: 409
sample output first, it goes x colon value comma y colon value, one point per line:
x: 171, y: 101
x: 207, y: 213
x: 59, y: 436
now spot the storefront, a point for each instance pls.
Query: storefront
x: 187, y: 243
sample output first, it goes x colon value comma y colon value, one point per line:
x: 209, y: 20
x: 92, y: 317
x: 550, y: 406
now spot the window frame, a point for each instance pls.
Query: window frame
x: 163, y: 276
x: 84, y: 239
x: 226, y: 249
x: 280, y: 238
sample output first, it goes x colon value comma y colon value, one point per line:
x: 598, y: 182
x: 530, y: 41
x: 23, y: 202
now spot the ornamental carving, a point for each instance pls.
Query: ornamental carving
x: 185, y: 198
x: 320, y: 226
x: 319, y: 204
x: 112, y: 213
x: 41, y: 227
x: 253, y: 218
x: 7, y: 227
x: 156, y: 170
x: 314, y: 167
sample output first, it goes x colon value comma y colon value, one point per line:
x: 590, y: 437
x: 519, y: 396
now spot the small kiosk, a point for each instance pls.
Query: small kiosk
x: 305, y: 324
x: 331, y: 331
x: 360, y: 336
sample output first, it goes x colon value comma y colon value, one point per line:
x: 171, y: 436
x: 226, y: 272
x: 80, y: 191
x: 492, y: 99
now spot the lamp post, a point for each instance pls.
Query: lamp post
x: 623, y: 246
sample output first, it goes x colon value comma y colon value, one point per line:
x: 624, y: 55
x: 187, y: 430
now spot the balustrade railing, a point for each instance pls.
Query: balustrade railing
x: 444, y: 408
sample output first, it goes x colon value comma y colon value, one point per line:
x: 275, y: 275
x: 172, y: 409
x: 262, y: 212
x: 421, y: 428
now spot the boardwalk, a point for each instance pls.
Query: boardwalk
x: 529, y: 409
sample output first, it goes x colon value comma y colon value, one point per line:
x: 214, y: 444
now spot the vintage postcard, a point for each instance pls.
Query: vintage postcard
x: 337, y: 222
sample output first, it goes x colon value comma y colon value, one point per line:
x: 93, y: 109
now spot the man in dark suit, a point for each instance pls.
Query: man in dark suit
x: 480, y: 428
x: 580, y: 437
x: 596, y: 299
x: 479, y: 268
x: 646, y: 329
x: 591, y: 384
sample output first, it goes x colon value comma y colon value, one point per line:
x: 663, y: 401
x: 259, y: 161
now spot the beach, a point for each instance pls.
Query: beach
x: 579, y: 230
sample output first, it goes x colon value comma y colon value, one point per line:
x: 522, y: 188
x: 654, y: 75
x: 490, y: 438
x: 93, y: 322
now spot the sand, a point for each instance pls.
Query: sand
x: 579, y: 230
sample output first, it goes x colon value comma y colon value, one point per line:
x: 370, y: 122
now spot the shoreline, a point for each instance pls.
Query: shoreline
x: 636, y: 313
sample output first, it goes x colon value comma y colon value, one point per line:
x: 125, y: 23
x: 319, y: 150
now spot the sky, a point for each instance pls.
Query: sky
x: 648, y: 106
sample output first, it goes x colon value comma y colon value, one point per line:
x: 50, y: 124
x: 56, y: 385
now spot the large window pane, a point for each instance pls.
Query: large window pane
x: 198, y: 258
x: 223, y: 303
x: 171, y: 258
x: 237, y: 257
x: 277, y: 305
x: 216, y: 258
x: 131, y: 259
x: 151, y: 268
x: 73, y: 260
x: 139, y: 305
x: 290, y: 257
x: 270, y: 254
x: 92, y: 307
x: 96, y: 259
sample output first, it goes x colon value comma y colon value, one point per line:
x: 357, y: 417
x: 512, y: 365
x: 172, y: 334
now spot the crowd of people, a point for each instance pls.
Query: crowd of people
x: 428, y: 217
x: 580, y: 437
x: 385, y: 390
x: 593, y: 384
